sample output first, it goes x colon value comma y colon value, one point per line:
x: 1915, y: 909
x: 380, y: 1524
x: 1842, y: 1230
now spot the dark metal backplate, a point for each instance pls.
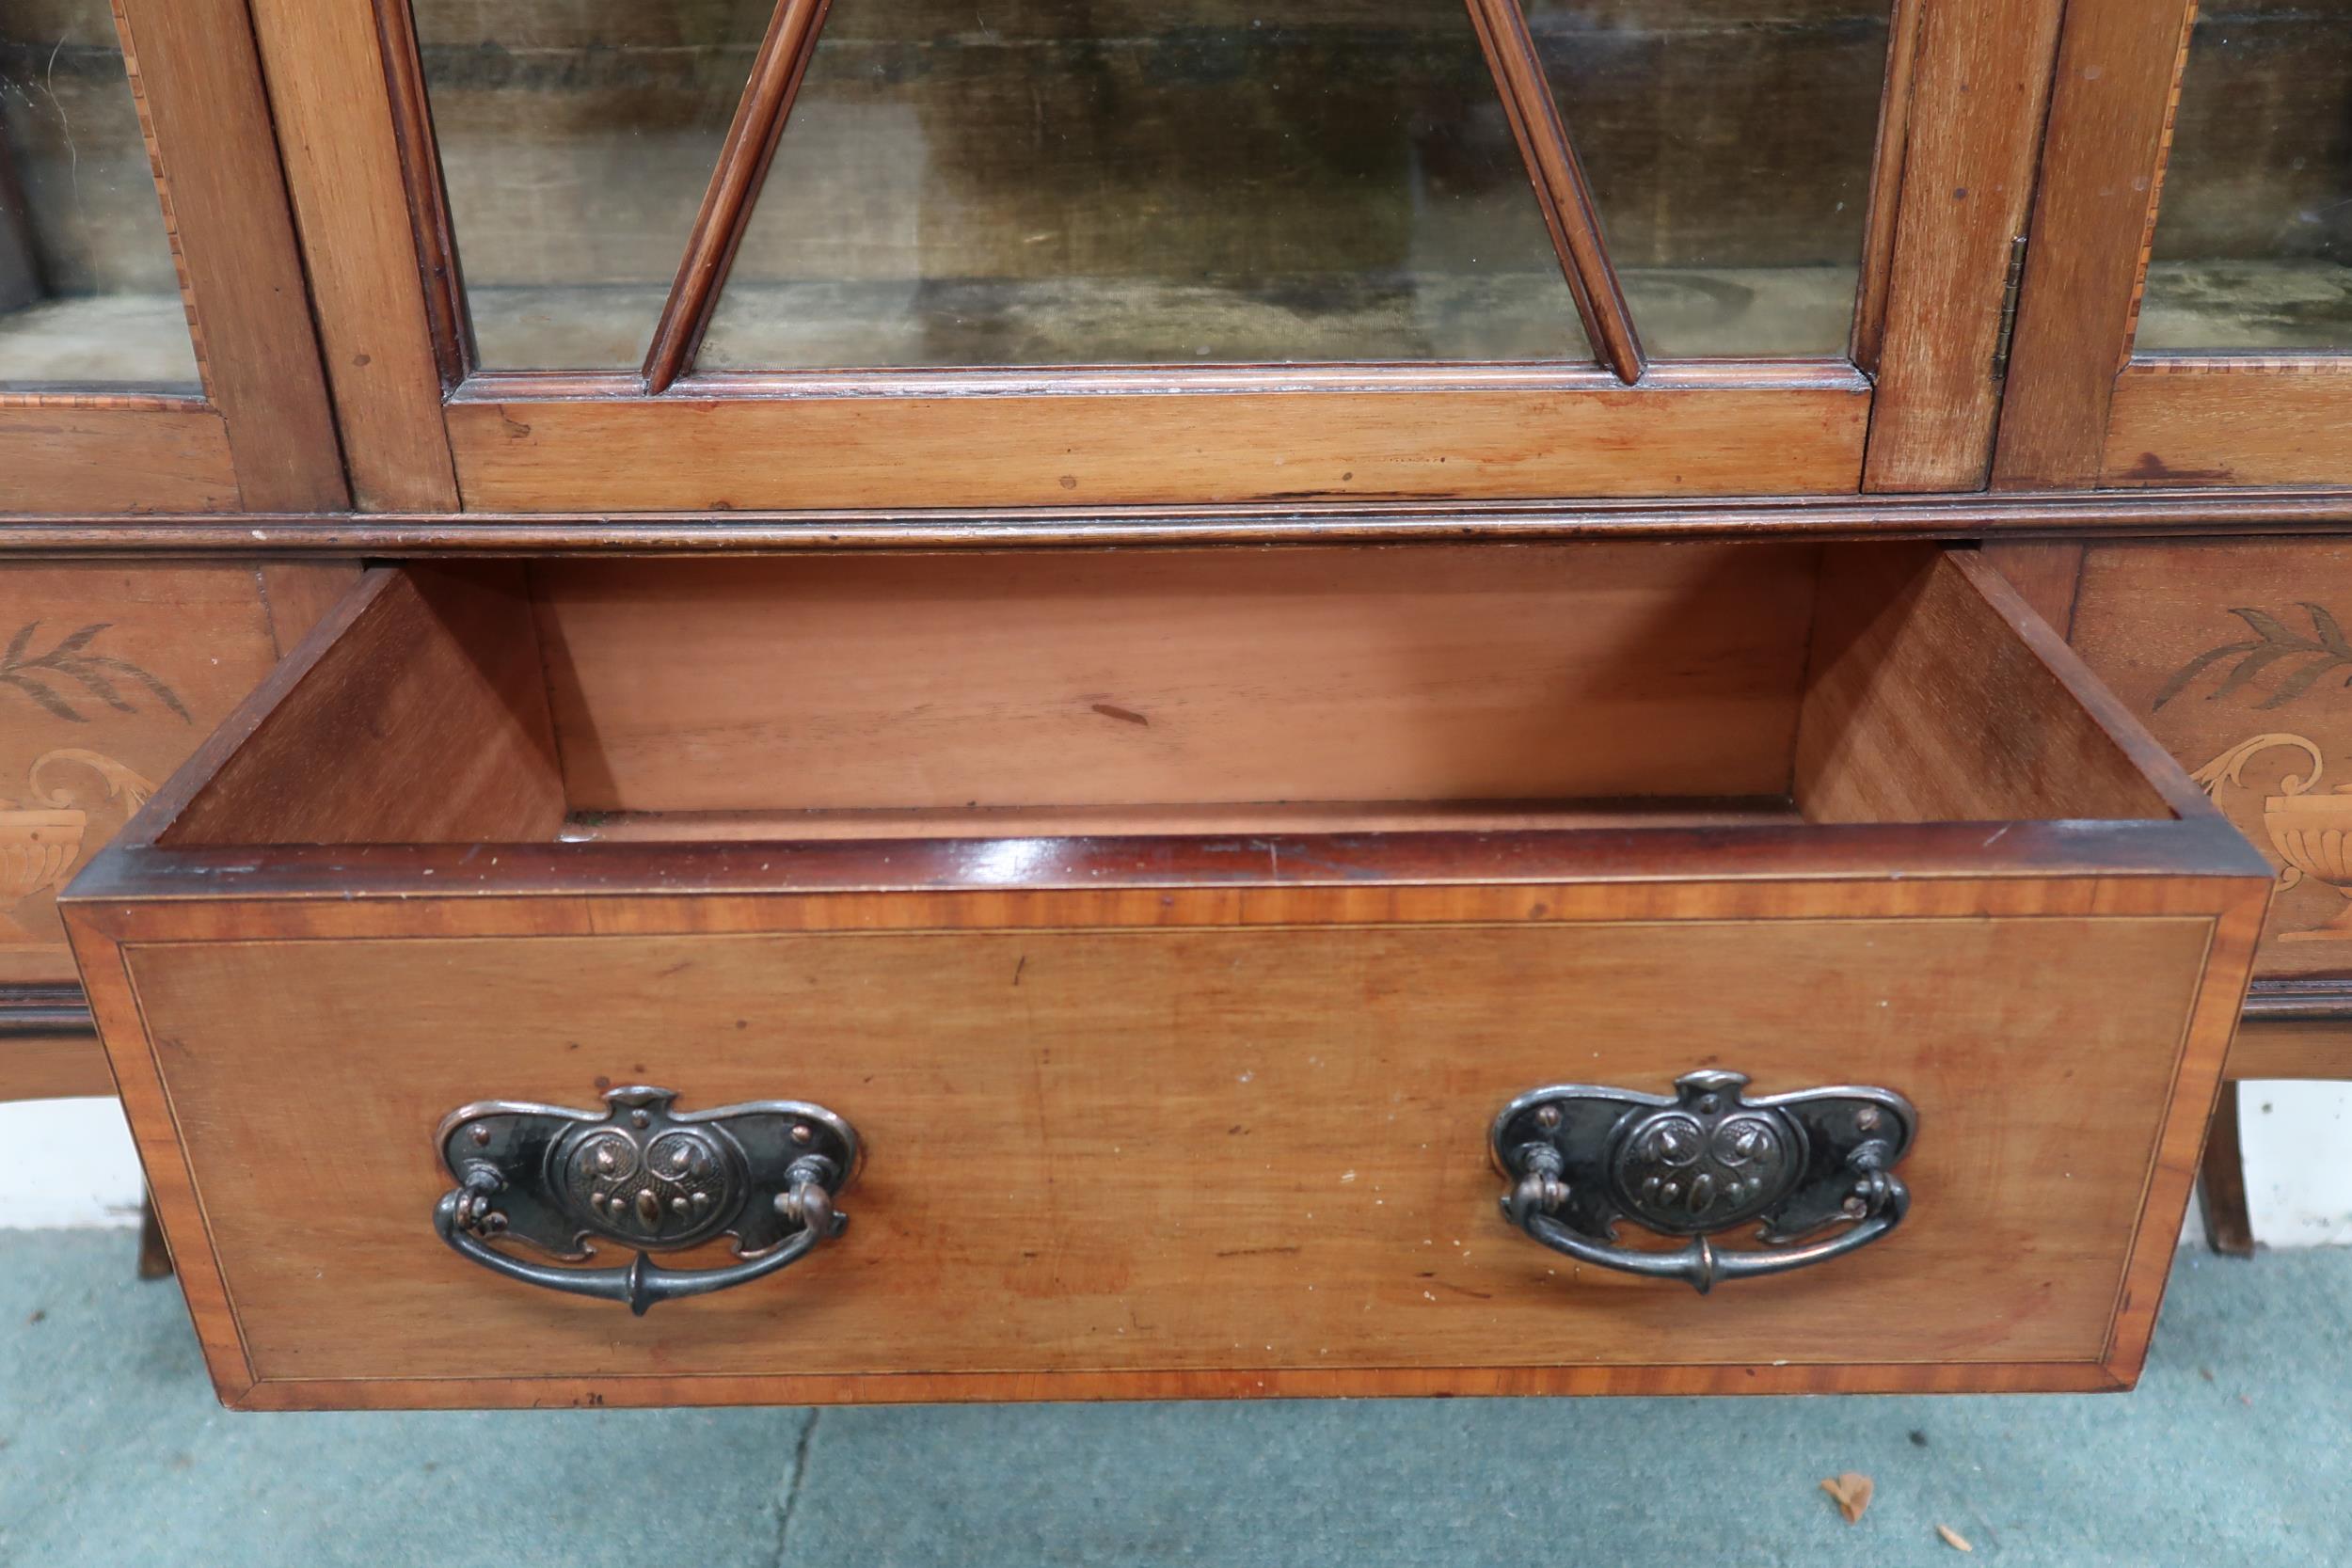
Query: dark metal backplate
x: 1706, y: 1158
x: 640, y: 1173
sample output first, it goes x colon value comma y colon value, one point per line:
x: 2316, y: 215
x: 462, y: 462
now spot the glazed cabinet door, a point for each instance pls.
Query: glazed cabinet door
x: 156, y: 352
x: 838, y: 254
x: 2187, y: 306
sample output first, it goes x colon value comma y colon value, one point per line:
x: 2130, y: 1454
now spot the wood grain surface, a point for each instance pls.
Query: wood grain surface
x: 1176, y: 677
x: 70, y: 1066
x: 423, y: 719
x: 100, y: 454
x: 2101, y: 165
x: 1928, y: 700
x: 1554, y: 434
x: 332, y: 101
x: 1979, y: 85
x: 1175, y: 1149
x: 2289, y: 1047
x: 2231, y: 420
x: 2012, y: 516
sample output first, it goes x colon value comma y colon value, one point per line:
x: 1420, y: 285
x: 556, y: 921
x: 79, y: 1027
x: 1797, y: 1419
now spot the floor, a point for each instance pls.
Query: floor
x: 2237, y: 1449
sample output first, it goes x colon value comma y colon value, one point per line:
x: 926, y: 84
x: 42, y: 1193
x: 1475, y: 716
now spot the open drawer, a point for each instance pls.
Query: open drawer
x: 1172, y: 964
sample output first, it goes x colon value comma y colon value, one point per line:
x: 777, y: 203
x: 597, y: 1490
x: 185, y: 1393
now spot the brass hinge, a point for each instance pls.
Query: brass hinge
x: 2008, y: 306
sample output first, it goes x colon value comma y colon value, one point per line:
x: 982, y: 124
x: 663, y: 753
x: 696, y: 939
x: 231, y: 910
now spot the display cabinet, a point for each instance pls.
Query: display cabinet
x: 1705, y: 826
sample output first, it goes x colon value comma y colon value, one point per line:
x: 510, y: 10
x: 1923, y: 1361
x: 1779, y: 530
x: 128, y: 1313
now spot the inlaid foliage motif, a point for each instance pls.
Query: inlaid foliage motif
x: 71, y: 669
x: 2297, y: 660
x: 110, y: 675
x: 2237, y: 655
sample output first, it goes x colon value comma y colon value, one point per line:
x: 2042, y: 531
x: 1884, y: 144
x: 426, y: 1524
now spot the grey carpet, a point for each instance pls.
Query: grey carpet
x: 2237, y: 1449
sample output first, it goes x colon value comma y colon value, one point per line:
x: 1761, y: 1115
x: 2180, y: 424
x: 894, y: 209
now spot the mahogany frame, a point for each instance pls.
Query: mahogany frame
x: 2081, y: 407
x: 262, y: 436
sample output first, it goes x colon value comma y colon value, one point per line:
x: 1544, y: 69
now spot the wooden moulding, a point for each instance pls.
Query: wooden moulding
x: 49, y: 1046
x: 2314, y: 1046
x: 1886, y: 184
x: 449, y: 328
x: 2221, y: 511
x: 322, y: 846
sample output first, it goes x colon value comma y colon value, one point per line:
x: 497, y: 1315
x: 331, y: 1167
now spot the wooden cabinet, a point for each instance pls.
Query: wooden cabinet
x: 1693, y: 347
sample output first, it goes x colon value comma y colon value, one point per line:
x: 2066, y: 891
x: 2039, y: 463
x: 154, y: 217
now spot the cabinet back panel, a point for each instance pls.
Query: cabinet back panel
x: 927, y: 681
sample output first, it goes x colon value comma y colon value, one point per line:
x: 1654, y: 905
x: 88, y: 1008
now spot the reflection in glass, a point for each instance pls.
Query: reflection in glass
x: 1059, y: 181
x: 2253, y: 241
x: 577, y: 137
x: 89, y: 294
x: 1729, y: 146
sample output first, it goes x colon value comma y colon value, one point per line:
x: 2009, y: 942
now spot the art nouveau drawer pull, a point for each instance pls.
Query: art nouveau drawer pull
x: 645, y: 1177
x: 1703, y: 1161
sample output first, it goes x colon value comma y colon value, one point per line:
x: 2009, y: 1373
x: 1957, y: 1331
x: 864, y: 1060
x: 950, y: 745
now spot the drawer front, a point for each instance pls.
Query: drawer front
x: 1162, y: 1160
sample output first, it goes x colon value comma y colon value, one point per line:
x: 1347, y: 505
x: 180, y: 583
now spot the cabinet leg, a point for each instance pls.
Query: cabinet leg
x: 154, y: 1257
x: 2221, y: 1182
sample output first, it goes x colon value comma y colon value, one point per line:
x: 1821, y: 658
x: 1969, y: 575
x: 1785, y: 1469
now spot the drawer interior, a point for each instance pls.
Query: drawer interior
x: 1230, y: 692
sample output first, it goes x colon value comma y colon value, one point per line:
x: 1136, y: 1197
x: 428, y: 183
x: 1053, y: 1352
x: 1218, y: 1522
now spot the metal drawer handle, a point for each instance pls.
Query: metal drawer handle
x: 646, y: 1177
x: 1703, y: 1160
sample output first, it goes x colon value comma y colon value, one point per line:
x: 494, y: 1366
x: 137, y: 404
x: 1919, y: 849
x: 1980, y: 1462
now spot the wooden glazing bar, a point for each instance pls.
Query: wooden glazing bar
x: 1561, y: 189
x: 734, y: 190
x: 1886, y: 184
x: 437, y: 245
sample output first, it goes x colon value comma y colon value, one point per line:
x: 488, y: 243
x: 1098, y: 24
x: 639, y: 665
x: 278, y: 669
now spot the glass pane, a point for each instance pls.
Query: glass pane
x: 89, y: 291
x: 2253, y: 245
x: 1728, y: 145
x: 577, y: 137
x: 1059, y: 181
